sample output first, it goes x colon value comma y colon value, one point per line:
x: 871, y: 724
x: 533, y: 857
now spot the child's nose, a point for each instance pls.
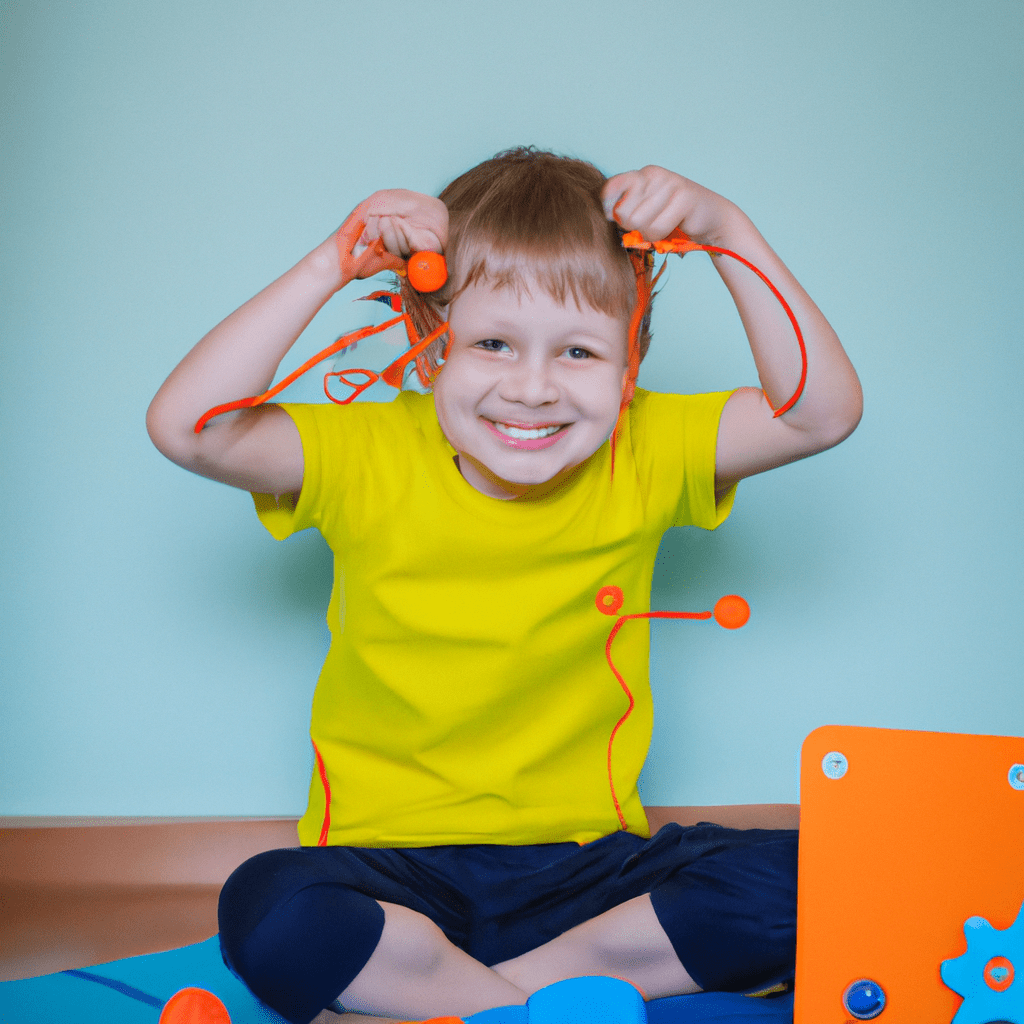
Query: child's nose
x: 529, y: 382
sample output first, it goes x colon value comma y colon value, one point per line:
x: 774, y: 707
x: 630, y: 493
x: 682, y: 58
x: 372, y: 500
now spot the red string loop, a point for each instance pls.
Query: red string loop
x: 392, y: 374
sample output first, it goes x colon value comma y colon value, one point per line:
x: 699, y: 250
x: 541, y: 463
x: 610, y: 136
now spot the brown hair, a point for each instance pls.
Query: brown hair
x: 528, y: 215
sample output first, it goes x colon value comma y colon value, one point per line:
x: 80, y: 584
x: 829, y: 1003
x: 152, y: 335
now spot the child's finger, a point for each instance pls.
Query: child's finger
x: 627, y: 211
x: 393, y: 236
x: 638, y: 206
x: 348, y: 236
x: 615, y: 192
x: 359, y: 254
x: 426, y: 233
x: 371, y: 231
x: 422, y: 239
x: 658, y: 213
x: 416, y: 212
x: 404, y: 238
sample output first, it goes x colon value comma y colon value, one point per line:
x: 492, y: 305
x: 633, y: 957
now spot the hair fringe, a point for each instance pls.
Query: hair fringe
x: 529, y: 216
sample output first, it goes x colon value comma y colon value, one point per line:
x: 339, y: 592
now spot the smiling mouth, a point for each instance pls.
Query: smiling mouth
x: 517, y: 435
x: 528, y: 433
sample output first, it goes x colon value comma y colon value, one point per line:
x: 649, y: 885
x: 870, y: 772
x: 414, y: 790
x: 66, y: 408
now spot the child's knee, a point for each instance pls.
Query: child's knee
x: 731, y: 915
x: 414, y: 943
x: 294, y: 940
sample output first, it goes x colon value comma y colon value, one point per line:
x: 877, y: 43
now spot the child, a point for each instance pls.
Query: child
x: 474, y: 830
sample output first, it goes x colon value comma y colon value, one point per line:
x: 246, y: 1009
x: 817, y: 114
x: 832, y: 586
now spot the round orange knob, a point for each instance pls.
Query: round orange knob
x: 427, y: 271
x: 732, y: 611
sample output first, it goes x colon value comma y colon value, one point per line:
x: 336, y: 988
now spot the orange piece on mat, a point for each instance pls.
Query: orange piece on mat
x: 437, y: 1020
x: 194, y: 1006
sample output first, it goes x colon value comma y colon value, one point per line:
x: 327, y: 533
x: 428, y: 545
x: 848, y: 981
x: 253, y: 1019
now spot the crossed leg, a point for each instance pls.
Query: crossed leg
x: 625, y: 942
x: 415, y: 972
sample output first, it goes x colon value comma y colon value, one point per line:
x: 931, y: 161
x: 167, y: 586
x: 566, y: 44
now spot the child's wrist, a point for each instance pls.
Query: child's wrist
x: 728, y: 224
x: 324, y: 264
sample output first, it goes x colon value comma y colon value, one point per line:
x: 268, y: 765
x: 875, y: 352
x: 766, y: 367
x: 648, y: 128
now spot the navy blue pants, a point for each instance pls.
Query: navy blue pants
x: 298, y: 925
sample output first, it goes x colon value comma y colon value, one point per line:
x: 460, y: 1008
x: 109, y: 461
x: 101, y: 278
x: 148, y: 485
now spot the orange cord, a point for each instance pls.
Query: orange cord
x: 325, y: 828
x: 620, y: 622
x: 680, y: 243
x: 374, y: 259
x: 730, y: 612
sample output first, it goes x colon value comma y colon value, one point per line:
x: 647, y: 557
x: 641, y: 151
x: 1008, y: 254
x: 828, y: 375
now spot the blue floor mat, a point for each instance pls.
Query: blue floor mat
x: 132, y: 991
x: 711, y: 1007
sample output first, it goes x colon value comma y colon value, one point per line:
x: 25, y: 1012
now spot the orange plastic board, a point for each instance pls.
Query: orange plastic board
x: 903, y: 837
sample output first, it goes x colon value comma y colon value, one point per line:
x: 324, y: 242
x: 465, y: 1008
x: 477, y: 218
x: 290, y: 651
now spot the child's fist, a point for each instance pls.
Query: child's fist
x: 382, y: 230
x: 655, y: 201
x: 406, y: 222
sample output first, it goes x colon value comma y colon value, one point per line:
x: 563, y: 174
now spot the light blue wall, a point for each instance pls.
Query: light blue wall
x: 162, y: 162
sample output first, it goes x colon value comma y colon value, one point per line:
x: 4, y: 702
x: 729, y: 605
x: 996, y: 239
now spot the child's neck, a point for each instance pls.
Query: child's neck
x: 481, y: 479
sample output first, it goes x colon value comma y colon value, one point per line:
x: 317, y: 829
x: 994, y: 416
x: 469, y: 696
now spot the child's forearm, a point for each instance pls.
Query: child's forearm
x: 830, y: 404
x: 238, y: 358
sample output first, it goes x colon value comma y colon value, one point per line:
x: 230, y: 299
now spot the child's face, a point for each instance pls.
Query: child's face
x: 531, y: 387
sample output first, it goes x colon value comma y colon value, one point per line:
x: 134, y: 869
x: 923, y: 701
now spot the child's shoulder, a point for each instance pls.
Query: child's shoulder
x: 652, y: 413
x: 409, y: 415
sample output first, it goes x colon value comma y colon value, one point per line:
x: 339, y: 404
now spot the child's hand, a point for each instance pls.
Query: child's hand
x: 655, y: 201
x: 406, y: 222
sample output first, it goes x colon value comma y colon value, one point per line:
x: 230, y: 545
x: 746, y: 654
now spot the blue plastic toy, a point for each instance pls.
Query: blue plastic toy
x: 593, y: 1000
x: 989, y: 974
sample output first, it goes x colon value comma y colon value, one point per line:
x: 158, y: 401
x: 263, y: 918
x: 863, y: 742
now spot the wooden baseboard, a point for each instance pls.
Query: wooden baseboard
x: 730, y: 815
x: 77, y: 892
x: 135, y: 851
x: 50, y: 928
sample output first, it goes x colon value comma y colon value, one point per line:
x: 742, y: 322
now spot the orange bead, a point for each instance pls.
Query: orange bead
x: 427, y: 271
x: 194, y: 1006
x: 732, y: 611
x: 609, y: 600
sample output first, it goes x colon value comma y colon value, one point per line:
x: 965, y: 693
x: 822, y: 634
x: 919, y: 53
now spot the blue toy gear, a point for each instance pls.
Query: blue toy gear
x: 990, y: 975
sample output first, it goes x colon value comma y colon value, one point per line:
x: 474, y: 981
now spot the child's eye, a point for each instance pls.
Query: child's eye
x: 577, y: 353
x: 491, y: 344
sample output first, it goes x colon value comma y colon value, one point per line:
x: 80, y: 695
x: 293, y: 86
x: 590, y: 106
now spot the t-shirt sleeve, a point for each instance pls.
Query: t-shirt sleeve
x: 674, y: 438
x: 280, y: 513
x: 355, y: 461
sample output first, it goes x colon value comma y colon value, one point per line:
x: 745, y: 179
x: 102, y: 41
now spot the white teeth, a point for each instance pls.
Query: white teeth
x: 526, y: 435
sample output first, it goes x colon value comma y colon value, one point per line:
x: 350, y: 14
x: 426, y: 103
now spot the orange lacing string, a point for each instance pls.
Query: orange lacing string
x: 643, y: 265
x: 642, y: 256
x: 325, y: 828
x: 623, y: 619
x: 730, y: 612
x: 342, y: 343
x: 372, y: 260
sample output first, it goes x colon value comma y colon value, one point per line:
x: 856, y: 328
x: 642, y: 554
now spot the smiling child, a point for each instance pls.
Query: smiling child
x: 474, y: 830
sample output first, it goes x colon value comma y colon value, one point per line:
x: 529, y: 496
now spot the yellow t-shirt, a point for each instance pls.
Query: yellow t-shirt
x: 466, y: 697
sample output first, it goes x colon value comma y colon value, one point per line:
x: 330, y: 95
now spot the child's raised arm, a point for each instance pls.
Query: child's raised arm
x: 751, y: 439
x: 259, y: 449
